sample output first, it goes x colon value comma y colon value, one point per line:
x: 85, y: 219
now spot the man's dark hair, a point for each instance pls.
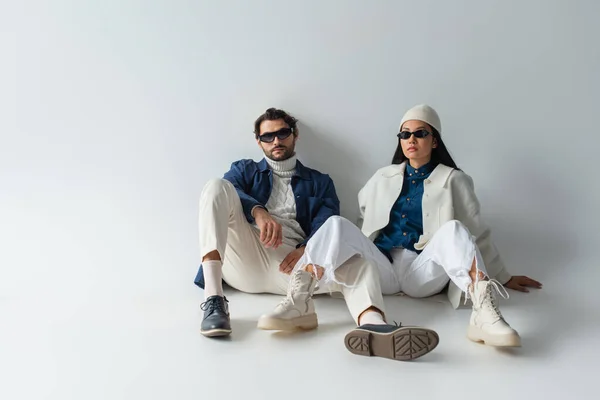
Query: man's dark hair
x: 273, y: 114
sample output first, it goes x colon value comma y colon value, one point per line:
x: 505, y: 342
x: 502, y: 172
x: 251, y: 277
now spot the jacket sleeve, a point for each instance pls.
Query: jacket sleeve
x: 329, y: 207
x: 468, y: 211
x: 236, y: 175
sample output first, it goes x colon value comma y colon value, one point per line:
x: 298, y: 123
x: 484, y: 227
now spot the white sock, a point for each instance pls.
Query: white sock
x: 372, y: 317
x: 213, y: 274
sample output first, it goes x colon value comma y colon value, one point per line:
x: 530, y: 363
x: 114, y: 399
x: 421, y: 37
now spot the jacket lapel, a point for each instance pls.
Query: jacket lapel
x: 392, y: 185
x: 440, y: 175
x: 386, y: 192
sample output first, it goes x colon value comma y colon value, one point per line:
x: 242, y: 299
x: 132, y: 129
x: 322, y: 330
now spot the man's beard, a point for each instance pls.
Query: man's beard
x: 282, y: 156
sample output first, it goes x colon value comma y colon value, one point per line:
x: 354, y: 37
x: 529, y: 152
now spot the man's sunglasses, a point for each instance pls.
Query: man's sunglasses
x: 281, y: 134
x: 421, y: 133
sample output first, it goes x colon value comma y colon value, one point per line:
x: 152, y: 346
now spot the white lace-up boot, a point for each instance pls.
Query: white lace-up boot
x: 487, y: 323
x: 297, y: 310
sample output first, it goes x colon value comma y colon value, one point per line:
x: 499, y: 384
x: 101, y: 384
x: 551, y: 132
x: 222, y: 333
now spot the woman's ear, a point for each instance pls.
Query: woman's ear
x: 435, y: 143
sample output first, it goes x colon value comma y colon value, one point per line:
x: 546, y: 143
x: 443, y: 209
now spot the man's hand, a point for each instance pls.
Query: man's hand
x: 290, y: 260
x: 270, y: 230
x: 521, y: 283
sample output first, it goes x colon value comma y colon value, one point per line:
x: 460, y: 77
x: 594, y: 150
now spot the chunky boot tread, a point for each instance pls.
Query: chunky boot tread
x: 403, y: 344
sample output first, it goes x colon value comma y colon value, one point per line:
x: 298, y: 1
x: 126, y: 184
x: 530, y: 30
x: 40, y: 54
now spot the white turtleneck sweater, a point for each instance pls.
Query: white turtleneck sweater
x: 282, y: 203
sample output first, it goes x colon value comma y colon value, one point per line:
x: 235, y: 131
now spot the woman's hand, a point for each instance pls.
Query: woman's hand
x: 521, y: 283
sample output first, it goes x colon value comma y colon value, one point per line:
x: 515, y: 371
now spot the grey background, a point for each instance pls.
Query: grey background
x: 116, y: 113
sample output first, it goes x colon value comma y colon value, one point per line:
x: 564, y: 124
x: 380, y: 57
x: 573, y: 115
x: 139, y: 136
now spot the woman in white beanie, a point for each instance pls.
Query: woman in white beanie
x: 422, y: 229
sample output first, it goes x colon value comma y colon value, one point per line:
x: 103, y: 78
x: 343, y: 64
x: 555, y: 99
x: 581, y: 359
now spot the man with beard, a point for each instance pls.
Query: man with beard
x: 255, y: 222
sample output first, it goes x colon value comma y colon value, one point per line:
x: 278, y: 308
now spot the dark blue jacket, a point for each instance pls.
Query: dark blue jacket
x: 316, y: 199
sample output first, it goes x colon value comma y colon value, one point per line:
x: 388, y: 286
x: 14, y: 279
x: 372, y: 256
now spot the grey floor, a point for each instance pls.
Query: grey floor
x: 104, y: 342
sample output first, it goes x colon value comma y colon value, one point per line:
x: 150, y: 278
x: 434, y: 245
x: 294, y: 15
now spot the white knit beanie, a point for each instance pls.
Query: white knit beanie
x: 423, y: 113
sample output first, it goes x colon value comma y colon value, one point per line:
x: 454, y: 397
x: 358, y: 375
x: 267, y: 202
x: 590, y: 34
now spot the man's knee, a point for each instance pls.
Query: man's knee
x: 218, y: 184
x: 215, y: 187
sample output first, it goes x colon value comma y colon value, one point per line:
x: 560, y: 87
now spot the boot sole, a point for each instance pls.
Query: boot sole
x: 306, y: 323
x: 404, y: 344
x: 216, y: 332
x: 477, y: 335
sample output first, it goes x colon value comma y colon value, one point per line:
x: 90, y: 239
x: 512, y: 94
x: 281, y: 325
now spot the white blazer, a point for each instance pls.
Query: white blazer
x: 448, y: 195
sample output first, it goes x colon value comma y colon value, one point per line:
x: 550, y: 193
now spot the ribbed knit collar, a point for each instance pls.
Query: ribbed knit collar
x: 279, y: 167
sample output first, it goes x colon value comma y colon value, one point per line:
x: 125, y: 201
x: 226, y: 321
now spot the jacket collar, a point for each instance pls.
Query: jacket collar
x: 439, y: 176
x: 423, y: 170
x: 394, y: 169
x: 263, y: 166
x: 301, y: 171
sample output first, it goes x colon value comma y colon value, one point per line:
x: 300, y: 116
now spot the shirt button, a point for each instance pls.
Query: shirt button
x: 404, y: 216
x: 404, y: 233
x: 416, y: 171
x: 409, y: 174
x: 414, y: 182
x: 408, y: 199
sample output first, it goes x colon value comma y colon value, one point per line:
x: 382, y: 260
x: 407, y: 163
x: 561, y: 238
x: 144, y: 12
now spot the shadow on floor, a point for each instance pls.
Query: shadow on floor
x: 553, y: 319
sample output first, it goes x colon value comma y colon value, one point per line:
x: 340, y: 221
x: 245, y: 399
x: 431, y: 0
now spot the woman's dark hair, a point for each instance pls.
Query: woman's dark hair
x: 439, y: 155
x: 273, y: 114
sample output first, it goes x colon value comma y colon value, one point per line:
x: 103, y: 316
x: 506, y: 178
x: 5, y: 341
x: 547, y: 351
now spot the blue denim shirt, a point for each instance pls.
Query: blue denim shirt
x: 316, y: 198
x: 406, y: 217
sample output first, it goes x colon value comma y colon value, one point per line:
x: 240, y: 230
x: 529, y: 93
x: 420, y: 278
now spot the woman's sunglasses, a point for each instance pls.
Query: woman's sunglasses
x: 421, y: 133
x: 281, y: 134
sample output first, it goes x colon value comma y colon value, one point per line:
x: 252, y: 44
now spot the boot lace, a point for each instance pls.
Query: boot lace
x: 489, y: 298
x: 294, y: 288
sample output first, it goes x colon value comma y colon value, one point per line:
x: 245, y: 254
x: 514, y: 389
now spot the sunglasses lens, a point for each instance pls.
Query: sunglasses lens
x: 267, y: 137
x: 284, y: 133
x: 281, y: 134
x: 421, y: 133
